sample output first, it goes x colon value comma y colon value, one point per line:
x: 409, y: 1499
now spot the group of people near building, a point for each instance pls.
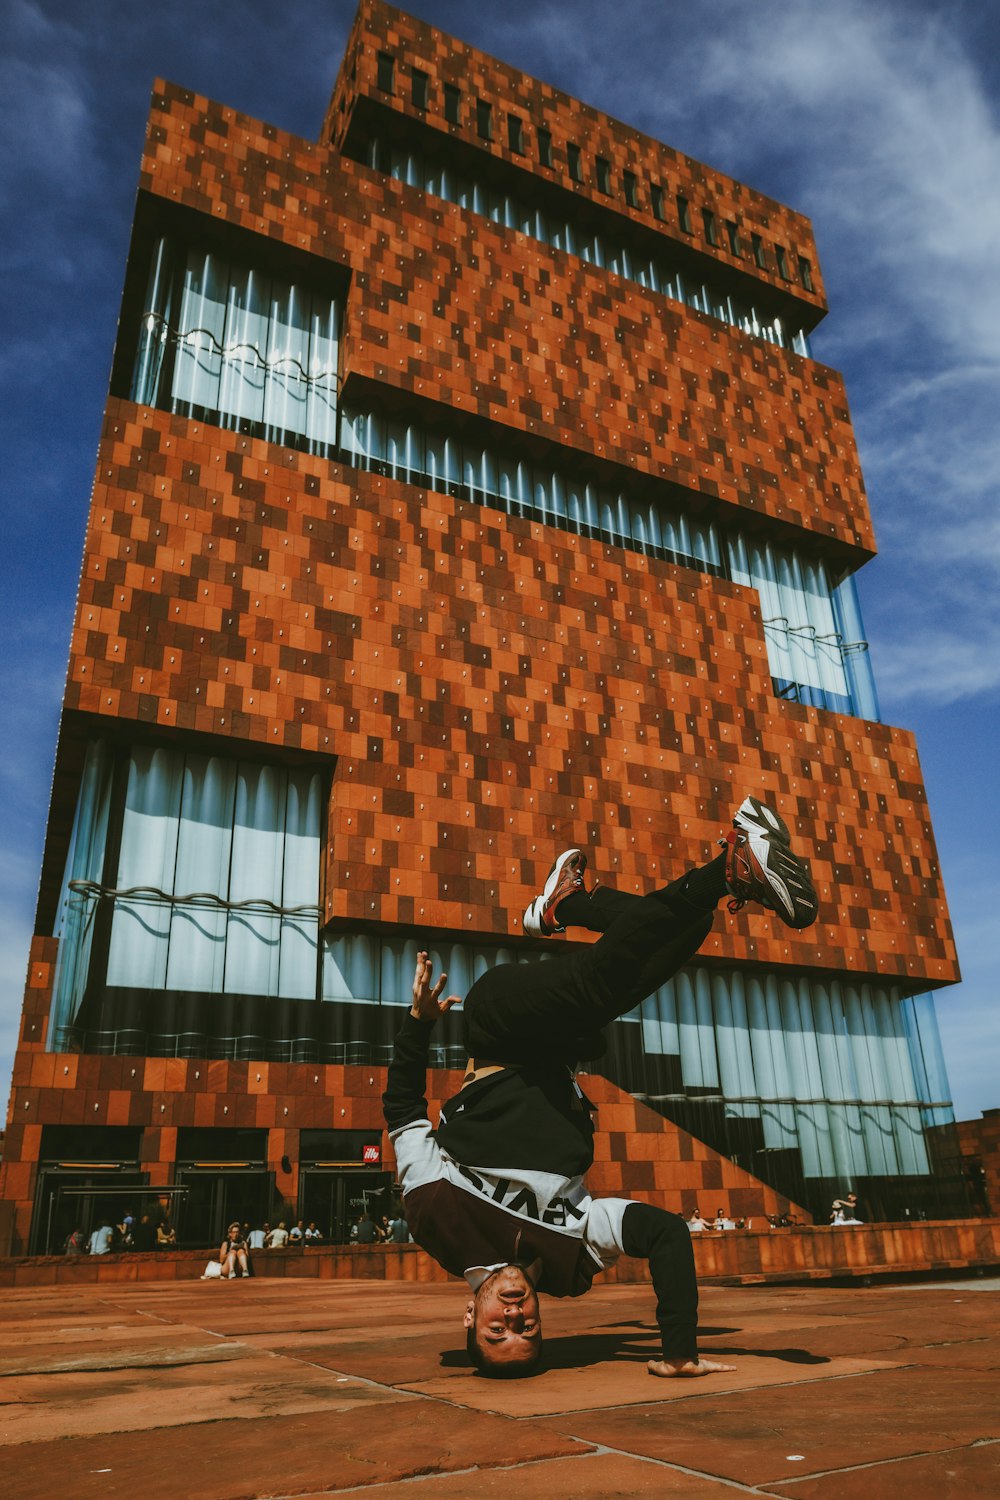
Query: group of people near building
x: 385, y: 1230
x: 696, y: 1223
x: 234, y: 1259
x: 148, y: 1232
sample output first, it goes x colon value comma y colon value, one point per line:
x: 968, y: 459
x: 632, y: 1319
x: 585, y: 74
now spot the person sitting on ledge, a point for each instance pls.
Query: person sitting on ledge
x: 497, y: 1194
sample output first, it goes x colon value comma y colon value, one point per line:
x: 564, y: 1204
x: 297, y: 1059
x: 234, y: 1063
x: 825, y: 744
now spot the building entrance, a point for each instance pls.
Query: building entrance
x: 217, y: 1198
x: 227, y: 1181
x: 335, y: 1199
x: 68, y: 1200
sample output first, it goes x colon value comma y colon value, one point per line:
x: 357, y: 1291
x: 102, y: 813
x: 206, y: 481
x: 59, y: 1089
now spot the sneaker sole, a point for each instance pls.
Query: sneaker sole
x: 532, y: 922
x: 787, y: 875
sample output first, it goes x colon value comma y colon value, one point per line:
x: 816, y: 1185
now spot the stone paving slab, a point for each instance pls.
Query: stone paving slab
x: 301, y: 1389
x: 971, y: 1471
x: 595, y: 1476
x: 318, y: 1453
x: 826, y: 1425
x: 82, y: 1404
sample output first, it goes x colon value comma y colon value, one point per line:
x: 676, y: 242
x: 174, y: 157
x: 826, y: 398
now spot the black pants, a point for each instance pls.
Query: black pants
x: 556, y: 1009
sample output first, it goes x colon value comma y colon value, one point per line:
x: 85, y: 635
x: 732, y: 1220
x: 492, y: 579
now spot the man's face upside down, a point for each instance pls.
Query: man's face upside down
x: 505, y: 1322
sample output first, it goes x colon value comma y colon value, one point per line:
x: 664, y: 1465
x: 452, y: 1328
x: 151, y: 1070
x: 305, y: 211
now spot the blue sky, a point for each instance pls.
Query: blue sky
x: 878, y: 120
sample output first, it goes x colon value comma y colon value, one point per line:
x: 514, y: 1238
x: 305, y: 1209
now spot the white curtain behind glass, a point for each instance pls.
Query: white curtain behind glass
x: 77, y: 910
x: 203, y: 826
x: 800, y: 626
x: 255, y: 349
x: 828, y: 1068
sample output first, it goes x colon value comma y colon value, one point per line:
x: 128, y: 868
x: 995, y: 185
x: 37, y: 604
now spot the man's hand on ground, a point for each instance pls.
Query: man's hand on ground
x: 427, y: 1003
x: 686, y: 1369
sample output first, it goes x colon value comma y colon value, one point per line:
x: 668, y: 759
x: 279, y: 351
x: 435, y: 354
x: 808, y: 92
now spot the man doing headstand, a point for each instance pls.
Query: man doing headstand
x: 497, y: 1193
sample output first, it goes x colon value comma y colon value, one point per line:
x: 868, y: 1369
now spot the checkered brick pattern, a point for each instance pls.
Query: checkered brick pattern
x: 491, y: 690
x: 483, y: 689
x: 444, y: 59
x: 447, y: 307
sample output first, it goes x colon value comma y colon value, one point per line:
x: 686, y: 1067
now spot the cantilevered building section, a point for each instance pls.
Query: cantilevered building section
x: 466, y: 488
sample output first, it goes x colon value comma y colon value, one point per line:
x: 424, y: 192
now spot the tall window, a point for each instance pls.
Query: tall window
x: 238, y: 348
x: 452, y: 104
x: 629, y: 189
x: 515, y: 133
x: 418, y: 89
x: 215, y: 884
x: 603, y: 174
x: 544, y: 139
x: 573, y: 159
x: 708, y: 220
x: 812, y: 629
x: 757, y: 246
x: 805, y: 273
x: 733, y: 236
x: 484, y: 119
x: 386, y: 72
x: 782, y: 259
x: 656, y: 199
x: 683, y: 213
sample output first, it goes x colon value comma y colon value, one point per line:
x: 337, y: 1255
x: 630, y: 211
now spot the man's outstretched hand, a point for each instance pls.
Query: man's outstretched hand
x: 686, y: 1369
x: 427, y: 1003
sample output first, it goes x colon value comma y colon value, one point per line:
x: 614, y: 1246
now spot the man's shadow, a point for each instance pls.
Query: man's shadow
x: 633, y: 1343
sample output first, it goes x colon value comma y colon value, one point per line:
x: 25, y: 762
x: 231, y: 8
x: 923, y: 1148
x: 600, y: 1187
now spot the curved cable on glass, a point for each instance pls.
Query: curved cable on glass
x: 193, y: 338
x: 196, y: 898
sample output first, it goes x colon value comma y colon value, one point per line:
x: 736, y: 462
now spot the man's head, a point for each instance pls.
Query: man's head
x: 504, y: 1326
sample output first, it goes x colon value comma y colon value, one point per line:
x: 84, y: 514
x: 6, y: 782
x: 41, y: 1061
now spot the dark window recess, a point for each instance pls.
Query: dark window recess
x: 515, y: 133
x: 452, y: 104
x: 656, y: 199
x: 733, y: 236
x: 603, y: 174
x: 484, y: 119
x: 757, y: 244
x: 630, y: 189
x: 418, y: 92
x: 708, y: 220
x: 573, y: 158
x: 684, y: 214
x: 779, y: 251
x: 805, y: 273
x: 544, y: 146
x: 386, y: 72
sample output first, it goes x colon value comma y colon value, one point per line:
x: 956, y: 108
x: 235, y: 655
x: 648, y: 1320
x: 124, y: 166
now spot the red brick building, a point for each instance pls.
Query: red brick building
x: 980, y: 1145
x: 466, y: 488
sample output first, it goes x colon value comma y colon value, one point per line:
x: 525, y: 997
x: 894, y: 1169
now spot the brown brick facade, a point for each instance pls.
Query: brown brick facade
x: 447, y: 307
x: 316, y: 608
x: 412, y: 44
x: 481, y: 688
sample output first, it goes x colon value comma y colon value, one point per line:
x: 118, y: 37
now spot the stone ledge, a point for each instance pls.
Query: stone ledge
x: 729, y: 1257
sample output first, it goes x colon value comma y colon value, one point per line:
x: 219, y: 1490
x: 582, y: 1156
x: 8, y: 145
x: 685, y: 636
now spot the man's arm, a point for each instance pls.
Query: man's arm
x: 664, y: 1240
x: 404, y: 1103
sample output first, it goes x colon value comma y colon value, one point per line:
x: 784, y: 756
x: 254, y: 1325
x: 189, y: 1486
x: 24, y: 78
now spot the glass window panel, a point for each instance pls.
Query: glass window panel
x: 155, y: 333
x: 140, y: 925
x: 77, y: 909
x: 253, y: 936
x: 201, y: 332
x: 204, y: 849
x: 286, y: 393
x: 321, y: 408
x: 241, y: 381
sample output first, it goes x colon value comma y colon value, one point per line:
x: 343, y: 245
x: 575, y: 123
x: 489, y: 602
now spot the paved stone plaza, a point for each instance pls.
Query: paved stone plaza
x: 208, y: 1391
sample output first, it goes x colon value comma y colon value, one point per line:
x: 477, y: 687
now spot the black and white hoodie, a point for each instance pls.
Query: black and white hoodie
x: 502, y: 1179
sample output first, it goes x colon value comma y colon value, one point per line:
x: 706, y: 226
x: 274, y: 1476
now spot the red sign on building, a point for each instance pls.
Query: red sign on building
x: 371, y: 1154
